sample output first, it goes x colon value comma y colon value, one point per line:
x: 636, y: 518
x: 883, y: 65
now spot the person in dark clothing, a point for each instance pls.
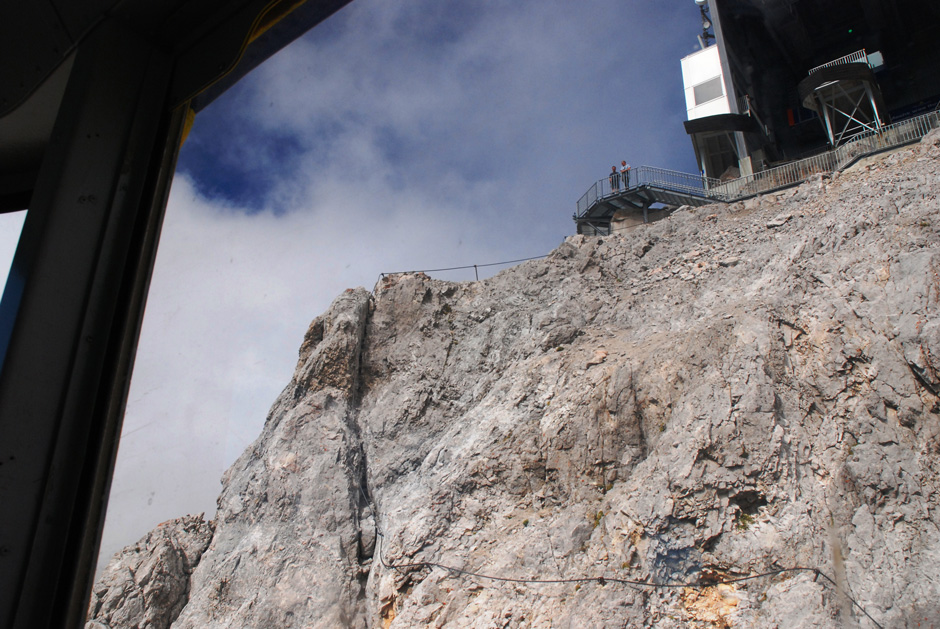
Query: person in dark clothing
x: 614, y: 179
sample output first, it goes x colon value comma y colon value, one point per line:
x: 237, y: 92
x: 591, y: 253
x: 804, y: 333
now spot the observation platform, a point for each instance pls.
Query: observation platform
x: 647, y: 186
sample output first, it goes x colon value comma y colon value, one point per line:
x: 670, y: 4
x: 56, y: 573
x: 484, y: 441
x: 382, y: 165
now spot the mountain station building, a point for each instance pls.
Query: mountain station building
x: 784, y: 79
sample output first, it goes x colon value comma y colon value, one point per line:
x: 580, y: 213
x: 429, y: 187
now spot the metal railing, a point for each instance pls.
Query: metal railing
x: 774, y: 178
x: 783, y: 176
x: 889, y: 136
x: 647, y: 176
x: 859, y: 56
x: 897, y: 134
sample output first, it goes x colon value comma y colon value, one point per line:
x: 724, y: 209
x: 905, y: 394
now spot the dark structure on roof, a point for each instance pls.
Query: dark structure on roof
x: 94, y: 99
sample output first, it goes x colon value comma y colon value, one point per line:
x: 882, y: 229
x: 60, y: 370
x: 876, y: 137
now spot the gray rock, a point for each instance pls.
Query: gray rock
x: 286, y: 548
x: 598, y: 413
x: 779, y: 220
x: 147, y: 584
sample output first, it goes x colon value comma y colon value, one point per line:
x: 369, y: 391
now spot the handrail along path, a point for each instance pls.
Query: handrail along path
x: 695, y: 189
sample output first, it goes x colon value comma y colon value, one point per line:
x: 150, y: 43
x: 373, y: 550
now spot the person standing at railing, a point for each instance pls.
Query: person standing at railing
x: 614, y: 179
x: 625, y: 174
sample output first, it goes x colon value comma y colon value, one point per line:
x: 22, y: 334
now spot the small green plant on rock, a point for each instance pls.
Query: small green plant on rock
x: 744, y: 521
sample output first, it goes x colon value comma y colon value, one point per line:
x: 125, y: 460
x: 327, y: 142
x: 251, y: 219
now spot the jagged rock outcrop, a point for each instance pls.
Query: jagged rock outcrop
x: 147, y: 584
x: 286, y: 547
x: 730, y: 391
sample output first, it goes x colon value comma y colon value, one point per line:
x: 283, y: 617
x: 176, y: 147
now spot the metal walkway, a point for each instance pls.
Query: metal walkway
x: 648, y: 185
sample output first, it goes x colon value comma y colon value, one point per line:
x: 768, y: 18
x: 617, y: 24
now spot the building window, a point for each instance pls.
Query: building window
x: 709, y: 90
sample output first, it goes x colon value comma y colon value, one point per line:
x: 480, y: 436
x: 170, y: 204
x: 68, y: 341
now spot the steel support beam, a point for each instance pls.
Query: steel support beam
x: 73, y: 310
x: 844, y: 104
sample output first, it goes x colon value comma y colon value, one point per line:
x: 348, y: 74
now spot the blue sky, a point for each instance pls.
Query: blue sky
x: 498, y: 91
x: 396, y: 136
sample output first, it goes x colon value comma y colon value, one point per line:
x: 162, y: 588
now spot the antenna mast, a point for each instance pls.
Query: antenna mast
x: 706, y: 24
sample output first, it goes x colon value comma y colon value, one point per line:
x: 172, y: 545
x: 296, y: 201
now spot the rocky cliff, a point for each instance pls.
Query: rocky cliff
x: 730, y: 392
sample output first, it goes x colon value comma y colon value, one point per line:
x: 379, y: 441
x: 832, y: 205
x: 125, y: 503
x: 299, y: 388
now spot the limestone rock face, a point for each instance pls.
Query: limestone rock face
x: 286, y: 549
x: 147, y: 584
x: 720, y: 394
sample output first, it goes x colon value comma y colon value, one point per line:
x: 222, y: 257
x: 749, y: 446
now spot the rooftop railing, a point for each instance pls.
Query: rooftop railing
x: 783, y: 176
x: 859, y: 56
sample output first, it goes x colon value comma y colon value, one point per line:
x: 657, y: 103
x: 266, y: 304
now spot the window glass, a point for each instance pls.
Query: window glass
x: 11, y: 224
x: 709, y: 90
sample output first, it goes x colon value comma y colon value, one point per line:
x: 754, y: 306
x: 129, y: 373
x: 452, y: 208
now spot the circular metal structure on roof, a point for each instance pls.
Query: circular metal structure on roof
x: 847, y: 99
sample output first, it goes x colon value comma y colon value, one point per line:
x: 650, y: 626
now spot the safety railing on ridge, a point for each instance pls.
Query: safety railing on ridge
x: 897, y: 134
x: 783, y: 176
x: 647, y: 176
x: 786, y: 175
x: 775, y: 178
